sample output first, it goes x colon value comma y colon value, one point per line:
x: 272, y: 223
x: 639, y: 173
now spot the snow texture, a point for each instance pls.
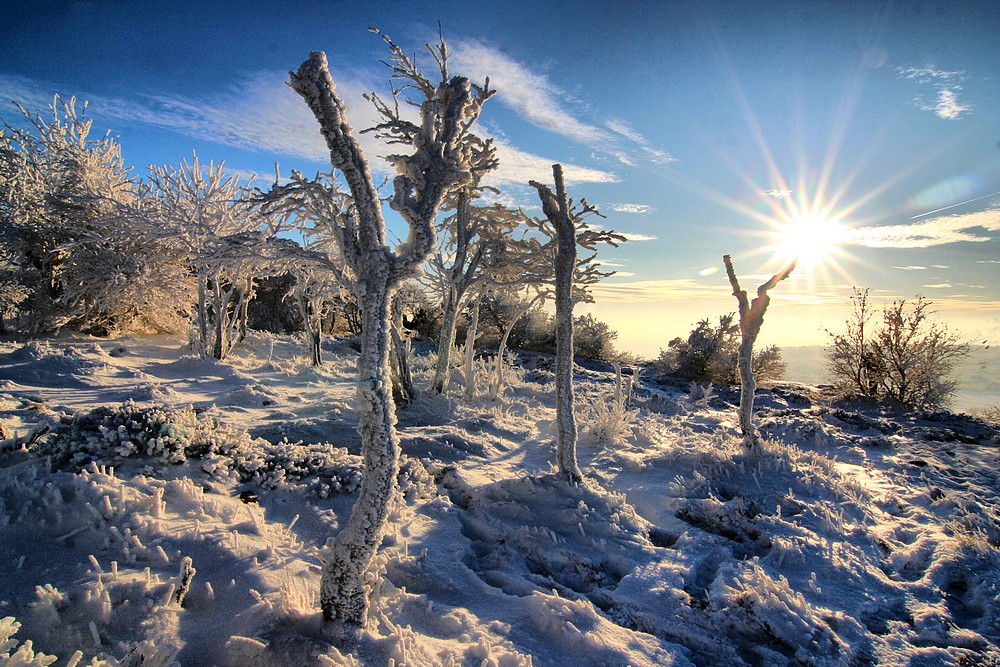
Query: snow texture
x: 191, y: 528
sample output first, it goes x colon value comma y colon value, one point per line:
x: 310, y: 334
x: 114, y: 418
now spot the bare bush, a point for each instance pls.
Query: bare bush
x: 709, y: 354
x: 905, y: 357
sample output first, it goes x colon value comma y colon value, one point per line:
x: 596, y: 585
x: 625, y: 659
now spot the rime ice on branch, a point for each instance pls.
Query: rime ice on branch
x: 565, y: 219
x: 444, y: 158
x: 751, y: 319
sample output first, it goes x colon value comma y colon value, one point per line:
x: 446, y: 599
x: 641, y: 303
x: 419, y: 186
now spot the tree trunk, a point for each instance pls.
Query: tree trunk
x: 496, y: 382
x: 343, y: 594
x: 748, y: 386
x: 470, y: 353
x: 565, y: 265
x: 446, y: 340
x: 403, y: 390
x: 220, y: 323
x: 751, y: 320
x: 244, y: 311
x: 202, y: 314
x: 315, y: 349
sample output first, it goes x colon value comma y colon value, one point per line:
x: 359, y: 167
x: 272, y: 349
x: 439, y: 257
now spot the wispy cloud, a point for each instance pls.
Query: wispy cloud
x: 529, y: 93
x: 947, y: 106
x: 944, y: 86
x: 630, y: 236
x: 262, y: 113
x: 30, y: 94
x: 928, y: 233
x: 519, y: 167
x: 539, y: 101
x: 640, y: 209
x: 655, y: 155
x: 911, y: 268
x: 654, y: 290
x: 718, y: 294
x: 775, y: 193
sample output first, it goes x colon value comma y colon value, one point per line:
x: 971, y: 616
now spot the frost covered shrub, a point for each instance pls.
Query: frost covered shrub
x: 906, y: 357
x: 592, y: 338
x: 769, y: 613
x: 110, y: 434
x: 709, y: 354
x: 68, y: 212
x: 612, y: 421
x: 174, y: 435
x: 25, y: 654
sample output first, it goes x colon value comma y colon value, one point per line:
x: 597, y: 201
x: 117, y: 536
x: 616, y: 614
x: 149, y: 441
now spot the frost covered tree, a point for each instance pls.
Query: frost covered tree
x: 565, y: 227
x: 906, y: 357
x: 525, y: 272
x: 316, y: 293
x: 473, y: 238
x: 442, y: 160
x: 63, y: 195
x: 208, y: 214
x: 307, y: 207
x: 751, y: 320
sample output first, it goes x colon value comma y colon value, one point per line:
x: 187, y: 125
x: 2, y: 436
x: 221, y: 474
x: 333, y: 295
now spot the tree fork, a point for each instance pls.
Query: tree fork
x: 751, y: 320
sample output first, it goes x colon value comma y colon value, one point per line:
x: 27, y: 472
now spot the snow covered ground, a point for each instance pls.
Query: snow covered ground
x: 178, y: 509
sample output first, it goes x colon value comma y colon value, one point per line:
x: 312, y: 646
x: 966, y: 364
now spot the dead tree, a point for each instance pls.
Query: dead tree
x: 563, y: 217
x: 751, y: 319
x: 442, y: 160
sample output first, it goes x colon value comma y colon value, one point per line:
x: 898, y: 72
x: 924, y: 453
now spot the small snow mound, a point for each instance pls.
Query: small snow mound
x: 249, y: 396
x: 40, y: 364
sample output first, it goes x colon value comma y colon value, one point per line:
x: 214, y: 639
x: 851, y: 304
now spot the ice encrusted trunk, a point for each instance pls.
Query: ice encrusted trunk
x: 452, y: 303
x: 557, y: 210
x: 496, y: 379
x: 440, y: 163
x: 751, y: 320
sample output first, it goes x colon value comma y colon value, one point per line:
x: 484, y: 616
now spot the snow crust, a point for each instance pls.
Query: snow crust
x: 178, y: 512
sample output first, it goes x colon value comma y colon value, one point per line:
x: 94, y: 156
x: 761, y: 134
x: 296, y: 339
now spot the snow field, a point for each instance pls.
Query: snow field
x: 192, y: 531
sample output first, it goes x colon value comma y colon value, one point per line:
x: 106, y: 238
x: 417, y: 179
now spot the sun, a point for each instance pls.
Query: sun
x: 811, y: 240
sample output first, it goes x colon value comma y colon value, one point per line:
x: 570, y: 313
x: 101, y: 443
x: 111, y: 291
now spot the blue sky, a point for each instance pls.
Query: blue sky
x: 699, y: 129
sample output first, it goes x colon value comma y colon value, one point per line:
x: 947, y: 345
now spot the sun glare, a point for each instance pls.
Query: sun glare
x: 810, y: 240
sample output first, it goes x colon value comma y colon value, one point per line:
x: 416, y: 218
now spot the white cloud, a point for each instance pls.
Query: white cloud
x: 529, y: 93
x: 641, y: 209
x: 654, y: 290
x: 519, y: 167
x: 928, y: 233
x: 30, y: 94
x: 655, y: 155
x: 774, y: 192
x: 911, y: 268
x: 637, y: 237
x: 262, y: 113
x: 939, y: 286
x: 534, y: 97
x: 945, y: 86
x: 947, y: 107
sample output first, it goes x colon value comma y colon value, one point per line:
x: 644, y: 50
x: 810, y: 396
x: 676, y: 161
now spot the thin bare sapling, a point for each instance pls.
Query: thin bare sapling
x: 751, y: 320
